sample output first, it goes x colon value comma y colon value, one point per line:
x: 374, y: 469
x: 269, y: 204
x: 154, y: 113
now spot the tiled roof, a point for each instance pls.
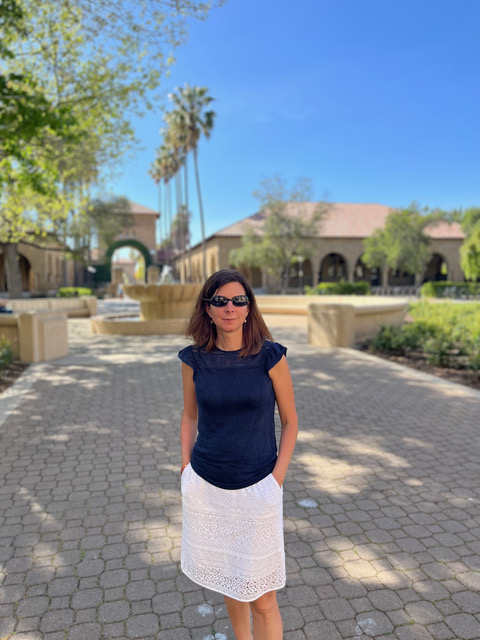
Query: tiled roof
x: 139, y: 208
x: 342, y: 220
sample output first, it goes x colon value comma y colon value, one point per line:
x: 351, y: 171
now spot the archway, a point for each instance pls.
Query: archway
x: 363, y: 273
x: 26, y: 273
x: 436, y: 269
x: 119, y: 244
x: 252, y: 274
x: 398, y: 278
x: 332, y: 268
x: 135, y: 244
x: 301, y: 275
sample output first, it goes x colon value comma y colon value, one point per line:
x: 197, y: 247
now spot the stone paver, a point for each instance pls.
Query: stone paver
x: 382, y: 501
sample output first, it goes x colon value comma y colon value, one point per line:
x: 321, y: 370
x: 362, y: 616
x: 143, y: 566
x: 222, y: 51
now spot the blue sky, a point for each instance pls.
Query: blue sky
x: 374, y: 100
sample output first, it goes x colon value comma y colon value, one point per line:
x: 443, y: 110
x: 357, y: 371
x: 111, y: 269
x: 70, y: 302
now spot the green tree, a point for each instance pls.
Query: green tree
x: 95, y: 63
x: 181, y: 229
x: 288, y: 229
x: 403, y: 244
x: 470, y: 249
x: 25, y: 113
x: 186, y: 123
x: 108, y: 217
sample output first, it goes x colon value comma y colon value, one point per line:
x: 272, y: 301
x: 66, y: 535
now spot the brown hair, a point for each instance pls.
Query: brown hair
x: 204, y: 333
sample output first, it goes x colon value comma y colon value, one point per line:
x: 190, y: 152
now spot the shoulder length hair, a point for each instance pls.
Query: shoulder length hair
x: 204, y: 333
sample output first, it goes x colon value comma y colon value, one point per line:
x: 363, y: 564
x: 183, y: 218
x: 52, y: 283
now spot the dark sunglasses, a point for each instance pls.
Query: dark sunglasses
x: 222, y: 301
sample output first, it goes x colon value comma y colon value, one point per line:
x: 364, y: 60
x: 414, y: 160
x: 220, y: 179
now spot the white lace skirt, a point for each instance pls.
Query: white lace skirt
x: 232, y: 540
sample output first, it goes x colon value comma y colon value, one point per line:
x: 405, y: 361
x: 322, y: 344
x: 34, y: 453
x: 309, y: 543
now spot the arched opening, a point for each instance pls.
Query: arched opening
x: 128, y: 266
x: 333, y: 268
x: 26, y: 273
x: 398, y: 278
x: 139, y: 265
x: 25, y: 269
x: 213, y: 265
x: 252, y: 274
x: 436, y: 269
x: 301, y: 275
x: 363, y: 273
x: 3, y: 276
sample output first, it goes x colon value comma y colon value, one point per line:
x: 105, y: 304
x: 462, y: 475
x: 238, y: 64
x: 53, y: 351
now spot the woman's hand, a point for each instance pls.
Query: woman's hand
x: 277, y: 479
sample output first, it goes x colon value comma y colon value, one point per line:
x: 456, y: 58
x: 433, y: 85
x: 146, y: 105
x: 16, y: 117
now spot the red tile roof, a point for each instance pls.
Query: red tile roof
x: 343, y: 220
x: 139, y: 208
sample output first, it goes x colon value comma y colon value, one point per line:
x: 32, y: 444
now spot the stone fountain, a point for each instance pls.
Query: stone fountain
x: 164, y: 308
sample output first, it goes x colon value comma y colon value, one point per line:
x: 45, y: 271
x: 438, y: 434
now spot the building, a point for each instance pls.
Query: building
x: 44, y: 267
x: 338, y: 252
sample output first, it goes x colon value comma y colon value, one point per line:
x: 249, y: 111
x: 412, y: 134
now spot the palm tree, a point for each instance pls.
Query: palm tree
x: 187, y: 123
x: 165, y: 167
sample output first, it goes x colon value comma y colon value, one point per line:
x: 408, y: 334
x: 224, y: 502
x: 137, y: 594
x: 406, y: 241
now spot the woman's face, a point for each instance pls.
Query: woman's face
x: 230, y: 318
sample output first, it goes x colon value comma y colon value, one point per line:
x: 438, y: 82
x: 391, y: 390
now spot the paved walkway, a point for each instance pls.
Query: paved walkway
x: 382, y: 502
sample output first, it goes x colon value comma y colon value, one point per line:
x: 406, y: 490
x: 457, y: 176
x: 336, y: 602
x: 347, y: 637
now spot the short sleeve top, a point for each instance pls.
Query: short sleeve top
x: 236, y: 444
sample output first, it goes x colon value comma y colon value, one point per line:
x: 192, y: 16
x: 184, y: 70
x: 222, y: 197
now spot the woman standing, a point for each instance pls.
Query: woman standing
x: 232, y: 474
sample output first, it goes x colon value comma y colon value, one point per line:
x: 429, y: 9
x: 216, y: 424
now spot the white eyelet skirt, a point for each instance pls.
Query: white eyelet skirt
x: 232, y: 540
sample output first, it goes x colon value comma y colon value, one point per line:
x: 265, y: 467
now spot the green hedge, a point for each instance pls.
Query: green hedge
x: 342, y: 288
x: 72, y: 292
x: 6, y: 354
x: 446, y: 289
x: 447, y: 333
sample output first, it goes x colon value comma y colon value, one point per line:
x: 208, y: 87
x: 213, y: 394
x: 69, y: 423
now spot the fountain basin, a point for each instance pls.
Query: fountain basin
x: 133, y: 325
x: 164, y: 309
x: 164, y: 301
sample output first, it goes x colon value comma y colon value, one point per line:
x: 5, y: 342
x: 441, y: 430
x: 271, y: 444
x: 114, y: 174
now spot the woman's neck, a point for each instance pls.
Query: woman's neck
x: 229, y: 342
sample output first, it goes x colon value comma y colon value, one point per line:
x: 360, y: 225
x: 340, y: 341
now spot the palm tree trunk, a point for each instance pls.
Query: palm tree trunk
x: 12, y: 270
x: 200, y: 206
x: 187, y: 209
x: 160, y: 212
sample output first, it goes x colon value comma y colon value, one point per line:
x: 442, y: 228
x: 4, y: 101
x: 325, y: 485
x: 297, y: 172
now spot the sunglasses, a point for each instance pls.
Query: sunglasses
x: 222, y: 301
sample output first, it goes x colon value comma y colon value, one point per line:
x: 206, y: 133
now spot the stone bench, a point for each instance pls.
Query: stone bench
x: 81, y: 307
x: 36, y: 336
x: 338, y: 321
x: 343, y: 325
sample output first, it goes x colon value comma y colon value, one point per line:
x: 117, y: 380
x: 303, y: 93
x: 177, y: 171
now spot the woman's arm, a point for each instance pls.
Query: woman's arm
x: 283, y: 388
x: 188, y: 425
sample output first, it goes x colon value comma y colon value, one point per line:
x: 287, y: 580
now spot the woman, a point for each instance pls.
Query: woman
x: 232, y: 476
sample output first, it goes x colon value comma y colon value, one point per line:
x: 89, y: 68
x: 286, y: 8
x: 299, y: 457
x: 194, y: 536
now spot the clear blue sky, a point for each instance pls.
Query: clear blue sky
x: 374, y: 100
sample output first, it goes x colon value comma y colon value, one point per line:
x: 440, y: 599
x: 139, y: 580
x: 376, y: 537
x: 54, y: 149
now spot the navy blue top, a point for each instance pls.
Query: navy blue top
x: 235, y: 445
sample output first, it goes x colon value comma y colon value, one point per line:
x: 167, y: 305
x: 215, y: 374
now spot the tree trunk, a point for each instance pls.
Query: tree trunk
x: 12, y: 269
x: 200, y: 206
x: 187, y: 208
x: 285, y: 280
x: 385, y: 276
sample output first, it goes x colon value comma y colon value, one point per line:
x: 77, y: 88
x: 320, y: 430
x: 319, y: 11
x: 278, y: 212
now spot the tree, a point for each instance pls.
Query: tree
x: 181, y: 229
x: 25, y: 113
x: 90, y: 66
x: 470, y: 249
x: 288, y: 230
x: 403, y: 244
x: 189, y: 120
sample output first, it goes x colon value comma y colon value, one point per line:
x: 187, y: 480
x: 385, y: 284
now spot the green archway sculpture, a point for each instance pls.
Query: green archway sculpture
x: 135, y: 244
x: 103, y: 271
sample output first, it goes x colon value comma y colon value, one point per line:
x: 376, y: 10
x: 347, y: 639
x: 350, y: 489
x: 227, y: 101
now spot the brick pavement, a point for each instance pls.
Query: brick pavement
x: 382, y: 502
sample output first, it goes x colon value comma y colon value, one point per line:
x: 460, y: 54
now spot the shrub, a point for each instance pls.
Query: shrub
x: 446, y: 289
x: 401, y: 340
x: 72, y: 292
x: 441, y: 349
x: 388, y: 339
x: 6, y: 354
x: 447, y: 333
x: 342, y: 288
